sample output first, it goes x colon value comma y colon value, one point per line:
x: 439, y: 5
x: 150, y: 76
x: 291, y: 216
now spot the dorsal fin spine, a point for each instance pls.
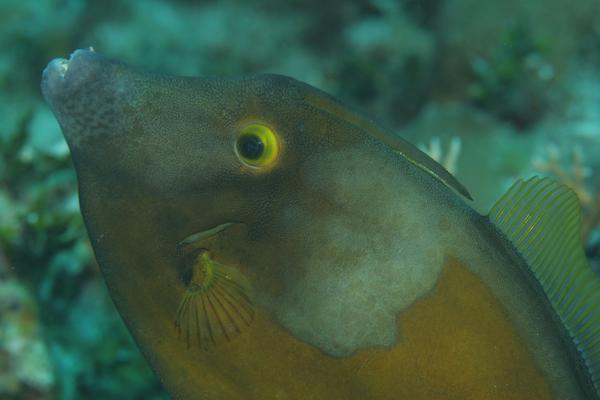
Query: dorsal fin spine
x: 411, y: 153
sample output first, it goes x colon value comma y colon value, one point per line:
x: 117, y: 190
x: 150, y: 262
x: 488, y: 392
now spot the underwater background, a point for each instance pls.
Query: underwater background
x: 494, y: 90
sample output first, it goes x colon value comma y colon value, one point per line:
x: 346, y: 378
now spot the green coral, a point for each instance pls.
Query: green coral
x: 515, y: 81
x: 42, y: 234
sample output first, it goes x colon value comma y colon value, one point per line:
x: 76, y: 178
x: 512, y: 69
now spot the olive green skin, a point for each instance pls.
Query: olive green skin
x: 156, y: 162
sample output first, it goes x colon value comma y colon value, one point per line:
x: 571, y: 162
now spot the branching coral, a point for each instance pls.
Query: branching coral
x: 48, y: 266
x: 447, y: 159
x: 577, y: 178
x: 25, y: 367
x: 514, y: 82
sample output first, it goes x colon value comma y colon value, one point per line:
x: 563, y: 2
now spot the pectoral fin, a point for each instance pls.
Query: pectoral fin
x: 216, y: 305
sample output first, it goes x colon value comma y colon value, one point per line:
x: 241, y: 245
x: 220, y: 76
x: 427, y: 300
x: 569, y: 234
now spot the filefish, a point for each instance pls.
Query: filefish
x: 263, y: 241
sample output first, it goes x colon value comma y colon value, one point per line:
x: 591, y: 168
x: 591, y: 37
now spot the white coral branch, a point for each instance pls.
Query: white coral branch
x: 449, y: 159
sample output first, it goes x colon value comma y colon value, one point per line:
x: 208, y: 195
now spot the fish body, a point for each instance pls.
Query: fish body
x: 262, y: 241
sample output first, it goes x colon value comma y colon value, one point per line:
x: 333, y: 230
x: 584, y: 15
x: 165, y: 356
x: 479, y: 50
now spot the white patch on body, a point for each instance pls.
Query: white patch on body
x: 364, y: 262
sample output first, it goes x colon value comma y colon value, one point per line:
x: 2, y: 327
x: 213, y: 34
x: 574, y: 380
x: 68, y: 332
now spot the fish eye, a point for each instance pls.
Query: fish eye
x: 257, y: 146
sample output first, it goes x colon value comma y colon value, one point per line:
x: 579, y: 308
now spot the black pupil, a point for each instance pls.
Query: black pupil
x: 250, y: 147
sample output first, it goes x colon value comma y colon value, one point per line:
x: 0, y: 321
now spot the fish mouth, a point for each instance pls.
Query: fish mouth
x: 60, y: 74
x: 89, y: 95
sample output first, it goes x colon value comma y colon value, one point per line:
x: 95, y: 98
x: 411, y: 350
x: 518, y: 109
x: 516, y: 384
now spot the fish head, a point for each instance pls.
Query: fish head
x: 245, y: 224
x: 184, y: 140
x: 213, y: 202
x: 167, y: 162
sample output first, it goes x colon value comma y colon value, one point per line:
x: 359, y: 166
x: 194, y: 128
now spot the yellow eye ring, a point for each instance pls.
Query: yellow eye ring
x: 257, y: 146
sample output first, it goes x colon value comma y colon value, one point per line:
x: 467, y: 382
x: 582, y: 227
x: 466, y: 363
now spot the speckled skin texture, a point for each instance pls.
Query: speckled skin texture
x: 371, y: 278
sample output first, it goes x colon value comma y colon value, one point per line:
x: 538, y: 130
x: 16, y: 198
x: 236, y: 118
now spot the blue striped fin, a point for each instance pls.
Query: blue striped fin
x: 543, y: 220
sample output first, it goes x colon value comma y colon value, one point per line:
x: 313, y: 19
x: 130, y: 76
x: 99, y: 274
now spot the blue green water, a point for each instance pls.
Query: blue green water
x: 495, y: 90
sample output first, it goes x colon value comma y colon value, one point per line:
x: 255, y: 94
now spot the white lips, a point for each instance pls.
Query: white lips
x: 61, y: 65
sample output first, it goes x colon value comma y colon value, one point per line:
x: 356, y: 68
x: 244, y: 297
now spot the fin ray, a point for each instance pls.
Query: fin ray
x: 543, y: 221
x: 215, y: 306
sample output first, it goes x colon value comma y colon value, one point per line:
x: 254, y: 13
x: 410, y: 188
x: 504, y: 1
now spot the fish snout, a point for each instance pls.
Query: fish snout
x: 87, y: 95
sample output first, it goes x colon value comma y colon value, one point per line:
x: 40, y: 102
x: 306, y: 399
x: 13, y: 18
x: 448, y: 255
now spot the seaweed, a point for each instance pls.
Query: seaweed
x: 76, y: 345
x: 515, y: 81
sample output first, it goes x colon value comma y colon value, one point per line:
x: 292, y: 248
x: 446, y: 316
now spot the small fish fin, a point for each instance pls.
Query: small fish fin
x: 542, y: 218
x: 216, y: 306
